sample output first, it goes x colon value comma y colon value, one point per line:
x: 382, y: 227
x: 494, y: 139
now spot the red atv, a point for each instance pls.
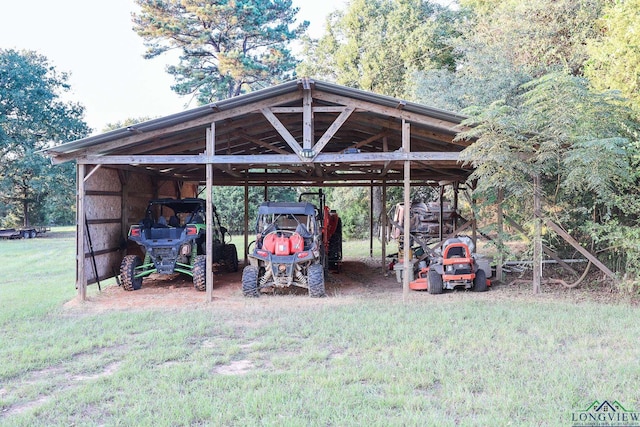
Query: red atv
x: 456, y: 268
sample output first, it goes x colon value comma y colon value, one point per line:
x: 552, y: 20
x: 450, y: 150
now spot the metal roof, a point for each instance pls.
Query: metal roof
x: 346, y: 124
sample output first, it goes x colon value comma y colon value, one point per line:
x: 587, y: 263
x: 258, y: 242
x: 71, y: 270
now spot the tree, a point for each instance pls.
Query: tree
x: 377, y: 45
x: 227, y: 46
x: 581, y: 142
x: 33, y: 117
x: 504, y: 44
x: 615, y: 55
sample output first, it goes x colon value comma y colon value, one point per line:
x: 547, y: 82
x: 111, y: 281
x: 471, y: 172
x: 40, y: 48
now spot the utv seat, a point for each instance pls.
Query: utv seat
x: 302, y: 230
x: 174, y: 221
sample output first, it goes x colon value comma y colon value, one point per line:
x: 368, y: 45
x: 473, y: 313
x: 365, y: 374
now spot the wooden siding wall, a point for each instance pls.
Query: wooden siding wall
x: 103, y: 213
x: 115, y: 200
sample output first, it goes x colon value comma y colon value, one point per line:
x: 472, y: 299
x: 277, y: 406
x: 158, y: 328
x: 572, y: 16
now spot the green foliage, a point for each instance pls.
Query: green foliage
x: 33, y: 117
x: 581, y: 142
x: 229, y: 203
x: 504, y: 44
x: 614, y: 55
x: 227, y: 47
x: 377, y: 45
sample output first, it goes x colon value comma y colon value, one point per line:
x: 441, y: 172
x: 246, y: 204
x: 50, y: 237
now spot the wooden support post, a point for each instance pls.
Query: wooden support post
x: 474, y: 222
x: 407, y: 271
x: 246, y: 222
x: 371, y: 220
x: 441, y: 215
x: 266, y: 190
x: 383, y: 226
x: 537, y: 235
x: 499, y: 241
x: 210, y: 140
x: 81, y: 280
x: 454, y: 219
x: 307, y: 120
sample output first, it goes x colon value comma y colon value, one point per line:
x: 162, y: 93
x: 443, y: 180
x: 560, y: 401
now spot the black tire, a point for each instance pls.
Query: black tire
x: 335, y: 244
x: 200, y: 273
x: 128, y: 271
x: 435, y: 282
x: 316, y: 281
x: 231, y: 258
x: 32, y: 234
x: 480, y: 281
x: 250, y: 281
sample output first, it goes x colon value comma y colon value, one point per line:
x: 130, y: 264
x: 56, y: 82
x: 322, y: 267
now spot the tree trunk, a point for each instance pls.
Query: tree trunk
x: 377, y: 208
x: 25, y: 213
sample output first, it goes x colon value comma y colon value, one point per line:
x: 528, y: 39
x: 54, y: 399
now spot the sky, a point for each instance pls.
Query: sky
x: 94, y: 42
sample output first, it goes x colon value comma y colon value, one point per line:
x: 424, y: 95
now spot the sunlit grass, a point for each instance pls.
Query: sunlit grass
x: 378, y: 362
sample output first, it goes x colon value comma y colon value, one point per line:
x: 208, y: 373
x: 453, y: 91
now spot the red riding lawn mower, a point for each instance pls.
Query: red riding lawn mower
x: 455, y: 268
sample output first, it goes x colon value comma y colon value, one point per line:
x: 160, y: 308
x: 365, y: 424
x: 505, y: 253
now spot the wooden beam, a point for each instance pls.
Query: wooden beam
x: 383, y: 227
x: 318, y: 109
x: 547, y: 250
x: 246, y: 223
x: 264, y: 144
x: 210, y: 136
x: 81, y: 280
x: 452, y: 158
x: 335, y: 126
x: 282, y: 130
x: 573, y: 242
x: 369, y: 140
x: 307, y: 120
x: 94, y: 170
x: 407, y: 271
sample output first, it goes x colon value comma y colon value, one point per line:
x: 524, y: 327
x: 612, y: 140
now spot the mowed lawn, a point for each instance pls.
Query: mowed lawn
x: 340, y: 361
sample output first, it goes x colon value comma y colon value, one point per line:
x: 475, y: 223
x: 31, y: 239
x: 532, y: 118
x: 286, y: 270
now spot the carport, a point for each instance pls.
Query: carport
x: 303, y: 133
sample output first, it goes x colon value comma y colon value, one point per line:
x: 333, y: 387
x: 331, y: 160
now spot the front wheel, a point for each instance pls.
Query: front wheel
x: 250, y: 281
x: 316, y: 281
x: 200, y: 273
x: 435, y: 282
x: 480, y: 281
x: 128, y: 272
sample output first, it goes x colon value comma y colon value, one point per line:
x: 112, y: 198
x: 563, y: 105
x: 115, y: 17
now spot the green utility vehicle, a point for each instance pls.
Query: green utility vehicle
x: 172, y: 236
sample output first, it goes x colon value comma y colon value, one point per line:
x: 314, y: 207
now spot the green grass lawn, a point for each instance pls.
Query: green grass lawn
x: 363, y: 362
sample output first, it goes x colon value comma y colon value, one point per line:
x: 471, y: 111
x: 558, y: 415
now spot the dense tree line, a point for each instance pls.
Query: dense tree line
x: 551, y: 88
x: 32, y: 116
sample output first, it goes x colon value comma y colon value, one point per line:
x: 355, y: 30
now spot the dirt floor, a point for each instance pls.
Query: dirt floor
x: 358, y: 278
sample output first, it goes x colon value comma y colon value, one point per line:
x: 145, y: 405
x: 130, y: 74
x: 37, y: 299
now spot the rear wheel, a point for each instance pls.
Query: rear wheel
x: 200, y: 273
x: 316, y: 281
x: 128, y: 272
x: 435, y: 282
x: 250, y: 281
x: 480, y: 281
x: 335, y: 247
x: 231, y: 258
